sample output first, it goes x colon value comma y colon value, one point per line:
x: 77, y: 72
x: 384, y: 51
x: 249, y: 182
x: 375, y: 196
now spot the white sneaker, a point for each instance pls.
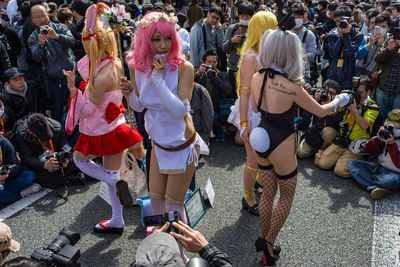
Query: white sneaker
x: 32, y: 189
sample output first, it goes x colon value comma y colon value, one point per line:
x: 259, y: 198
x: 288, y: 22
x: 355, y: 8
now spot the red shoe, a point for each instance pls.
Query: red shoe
x: 107, y: 229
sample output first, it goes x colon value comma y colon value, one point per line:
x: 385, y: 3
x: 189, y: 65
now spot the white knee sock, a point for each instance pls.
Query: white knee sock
x: 92, y: 169
x: 117, y: 219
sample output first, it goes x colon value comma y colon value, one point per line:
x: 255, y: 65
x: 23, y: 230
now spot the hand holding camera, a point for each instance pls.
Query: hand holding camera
x: 237, y: 39
x: 50, y: 32
x: 51, y: 164
x: 191, y: 240
x: 385, y: 134
x: 42, y: 36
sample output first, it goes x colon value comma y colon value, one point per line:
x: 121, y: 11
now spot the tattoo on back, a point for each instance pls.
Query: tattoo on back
x: 279, y: 87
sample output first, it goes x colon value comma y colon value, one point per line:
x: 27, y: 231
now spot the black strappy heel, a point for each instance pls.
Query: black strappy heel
x: 268, y: 260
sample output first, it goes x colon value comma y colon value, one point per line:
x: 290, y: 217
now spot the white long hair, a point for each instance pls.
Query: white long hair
x: 283, y: 50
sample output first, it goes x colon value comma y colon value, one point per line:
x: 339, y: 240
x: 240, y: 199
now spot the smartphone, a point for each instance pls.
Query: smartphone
x: 154, y: 220
x: 377, y: 31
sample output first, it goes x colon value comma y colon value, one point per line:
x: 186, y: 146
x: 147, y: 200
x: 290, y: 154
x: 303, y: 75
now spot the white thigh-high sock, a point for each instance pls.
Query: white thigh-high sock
x: 92, y: 169
x: 181, y: 210
x: 117, y: 219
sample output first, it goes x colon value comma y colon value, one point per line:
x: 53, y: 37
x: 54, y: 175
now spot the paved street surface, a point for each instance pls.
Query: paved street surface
x: 333, y: 221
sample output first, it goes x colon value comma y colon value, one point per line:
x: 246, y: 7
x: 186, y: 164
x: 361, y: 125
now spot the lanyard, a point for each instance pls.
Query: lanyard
x: 2, y: 127
x: 240, y: 30
x: 44, y: 147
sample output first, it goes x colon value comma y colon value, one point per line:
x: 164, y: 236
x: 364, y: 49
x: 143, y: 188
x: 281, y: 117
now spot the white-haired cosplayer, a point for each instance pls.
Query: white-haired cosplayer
x: 276, y: 93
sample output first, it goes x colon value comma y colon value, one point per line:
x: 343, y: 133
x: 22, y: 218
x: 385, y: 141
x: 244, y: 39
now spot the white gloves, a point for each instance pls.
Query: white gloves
x: 341, y: 100
x: 174, y: 105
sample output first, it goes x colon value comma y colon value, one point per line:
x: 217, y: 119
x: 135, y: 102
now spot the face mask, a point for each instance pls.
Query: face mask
x: 244, y: 22
x: 299, y: 23
x: 363, y: 16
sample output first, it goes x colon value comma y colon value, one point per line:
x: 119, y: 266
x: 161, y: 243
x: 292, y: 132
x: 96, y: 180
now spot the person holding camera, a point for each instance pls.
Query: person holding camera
x: 388, y: 57
x: 51, y: 45
x: 382, y: 177
x: 340, y: 46
x: 370, y: 46
x: 322, y: 131
x: 218, y: 85
x: 15, y: 182
x: 39, y: 140
x: 235, y: 37
x: 357, y: 123
x: 161, y: 248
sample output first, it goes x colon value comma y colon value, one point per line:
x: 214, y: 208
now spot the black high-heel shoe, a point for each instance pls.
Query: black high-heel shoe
x: 261, y: 245
x: 257, y: 186
x: 276, y: 249
x: 252, y: 210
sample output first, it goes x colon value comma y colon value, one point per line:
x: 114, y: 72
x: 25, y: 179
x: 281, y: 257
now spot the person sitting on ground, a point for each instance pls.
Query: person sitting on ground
x: 24, y: 262
x: 322, y: 131
x: 380, y: 179
x: 7, y: 244
x: 24, y: 97
x: 37, y: 138
x: 161, y: 249
x: 15, y: 182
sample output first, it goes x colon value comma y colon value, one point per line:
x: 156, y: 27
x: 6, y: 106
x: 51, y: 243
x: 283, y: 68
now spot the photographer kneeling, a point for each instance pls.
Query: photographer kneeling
x: 380, y: 179
x: 218, y: 85
x: 322, y: 131
x: 358, y: 119
x: 43, y: 148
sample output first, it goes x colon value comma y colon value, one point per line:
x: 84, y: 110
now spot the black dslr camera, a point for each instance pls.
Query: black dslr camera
x: 343, y: 137
x: 62, y: 157
x: 211, y: 73
x: 324, y: 94
x: 43, y: 30
x: 385, y: 134
x: 60, y: 252
x: 344, y: 23
x: 160, y: 220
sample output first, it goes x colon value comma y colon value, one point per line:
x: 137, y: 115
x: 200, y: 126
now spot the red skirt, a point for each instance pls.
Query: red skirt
x: 110, y: 143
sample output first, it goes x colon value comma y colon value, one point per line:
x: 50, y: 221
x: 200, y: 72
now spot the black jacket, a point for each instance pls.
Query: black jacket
x: 4, y: 61
x: 34, y: 101
x: 30, y: 149
x: 9, y: 157
x: 202, y: 111
x: 78, y: 49
x: 27, y: 30
x: 14, y: 45
x: 220, y: 86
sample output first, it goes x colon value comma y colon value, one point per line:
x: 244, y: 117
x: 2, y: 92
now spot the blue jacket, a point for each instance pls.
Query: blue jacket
x: 56, y: 55
x: 334, y: 45
x: 9, y: 157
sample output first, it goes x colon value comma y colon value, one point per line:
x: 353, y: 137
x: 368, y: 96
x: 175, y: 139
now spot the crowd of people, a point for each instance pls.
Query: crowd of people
x: 285, y: 79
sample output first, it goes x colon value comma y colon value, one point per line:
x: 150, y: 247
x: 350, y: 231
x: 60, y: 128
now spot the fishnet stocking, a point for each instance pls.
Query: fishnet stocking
x: 287, y: 189
x: 268, y: 180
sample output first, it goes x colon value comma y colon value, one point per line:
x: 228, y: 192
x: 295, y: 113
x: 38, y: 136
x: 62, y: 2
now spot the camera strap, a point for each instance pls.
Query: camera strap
x: 41, y: 143
x: 353, y: 123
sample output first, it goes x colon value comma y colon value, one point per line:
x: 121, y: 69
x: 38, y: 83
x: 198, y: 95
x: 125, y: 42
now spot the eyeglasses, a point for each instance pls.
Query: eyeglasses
x: 215, y: 17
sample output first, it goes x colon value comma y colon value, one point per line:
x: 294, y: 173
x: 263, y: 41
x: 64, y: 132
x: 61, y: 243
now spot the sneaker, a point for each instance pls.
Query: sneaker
x: 32, y: 189
x: 379, y: 193
x: 220, y: 138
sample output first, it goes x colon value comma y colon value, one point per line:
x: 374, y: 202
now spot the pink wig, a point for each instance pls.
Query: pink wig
x: 140, y: 55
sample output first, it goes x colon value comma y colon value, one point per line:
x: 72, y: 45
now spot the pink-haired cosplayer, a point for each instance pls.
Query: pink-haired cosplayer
x: 100, y: 114
x: 162, y: 82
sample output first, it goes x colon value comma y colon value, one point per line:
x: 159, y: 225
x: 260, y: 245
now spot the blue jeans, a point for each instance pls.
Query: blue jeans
x: 13, y: 187
x: 383, y: 178
x: 387, y: 102
x: 58, y: 95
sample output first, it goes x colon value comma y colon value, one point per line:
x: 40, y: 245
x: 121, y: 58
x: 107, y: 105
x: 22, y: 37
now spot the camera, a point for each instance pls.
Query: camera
x: 211, y: 73
x: 324, y: 94
x: 343, y: 137
x: 385, y: 134
x: 62, y: 157
x: 5, y: 169
x: 60, y: 252
x: 159, y: 220
x: 344, y: 23
x: 43, y: 30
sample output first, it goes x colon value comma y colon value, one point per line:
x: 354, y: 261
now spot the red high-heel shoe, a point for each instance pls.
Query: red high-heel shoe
x: 261, y: 245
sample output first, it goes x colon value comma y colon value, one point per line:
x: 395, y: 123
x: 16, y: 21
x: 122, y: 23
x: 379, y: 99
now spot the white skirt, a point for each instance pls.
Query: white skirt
x: 253, y: 118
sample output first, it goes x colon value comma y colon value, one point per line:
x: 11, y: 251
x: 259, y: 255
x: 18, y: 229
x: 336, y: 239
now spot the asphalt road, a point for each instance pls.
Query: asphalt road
x: 331, y: 222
